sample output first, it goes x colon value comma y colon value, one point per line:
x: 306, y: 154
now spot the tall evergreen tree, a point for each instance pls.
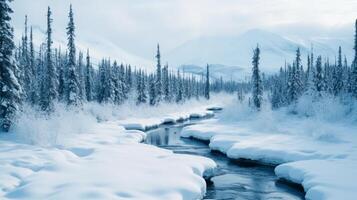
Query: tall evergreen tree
x: 337, y: 75
x: 10, y: 88
x: 81, y: 78
x: 142, y: 98
x: 62, y: 72
x: 166, y: 83
x: 207, y: 84
x: 73, y: 93
x: 33, y: 93
x: 26, y: 65
x: 152, y: 88
x: 353, y: 79
x: 257, y: 88
x: 319, y: 79
x: 48, y: 87
x: 179, y: 92
x: 88, y: 79
x: 158, y: 87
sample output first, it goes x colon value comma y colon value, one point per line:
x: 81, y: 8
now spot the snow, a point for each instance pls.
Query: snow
x: 322, y: 179
x: 222, y: 50
x: 72, y: 156
x: 319, y: 151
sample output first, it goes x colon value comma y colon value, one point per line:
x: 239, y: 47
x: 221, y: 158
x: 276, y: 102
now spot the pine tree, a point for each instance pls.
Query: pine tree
x: 88, y: 79
x: 62, y: 77
x: 73, y: 93
x: 166, y: 83
x: 319, y: 80
x: 207, y: 84
x: 353, y: 79
x: 337, y: 75
x: 299, y: 72
x: 257, y: 90
x: 81, y: 78
x: 152, y: 92
x: 26, y: 66
x: 33, y: 95
x: 141, y: 99
x: 48, y: 87
x: 10, y: 88
x: 179, y: 94
x: 158, y: 87
x: 118, y: 85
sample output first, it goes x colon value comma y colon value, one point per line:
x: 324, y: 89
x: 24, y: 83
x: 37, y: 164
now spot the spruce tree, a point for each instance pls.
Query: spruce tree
x: 166, y: 83
x: 152, y: 88
x: 26, y: 65
x: 81, y: 78
x: 33, y: 93
x: 353, y: 79
x: 10, y: 88
x: 319, y: 81
x: 141, y: 99
x: 62, y: 77
x: 179, y: 92
x: 73, y: 93
x: 207, y: 84
x: 257, y: 88
x: 48, y: 87
x: 88, y: 79
x: 337, y: 75
x: 158, y: 87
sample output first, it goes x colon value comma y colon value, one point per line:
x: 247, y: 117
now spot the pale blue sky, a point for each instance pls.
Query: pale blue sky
x: 137, y: 25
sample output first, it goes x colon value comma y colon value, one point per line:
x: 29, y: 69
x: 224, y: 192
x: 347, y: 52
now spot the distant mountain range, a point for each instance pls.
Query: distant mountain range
x: 228, y: 56
x: 231, y: 56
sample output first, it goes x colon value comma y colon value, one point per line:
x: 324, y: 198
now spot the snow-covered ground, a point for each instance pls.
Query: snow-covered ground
x: 73, y: 156
x: 319, y: 152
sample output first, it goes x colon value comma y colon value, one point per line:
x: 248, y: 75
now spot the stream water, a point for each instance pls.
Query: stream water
x: 234, y: 180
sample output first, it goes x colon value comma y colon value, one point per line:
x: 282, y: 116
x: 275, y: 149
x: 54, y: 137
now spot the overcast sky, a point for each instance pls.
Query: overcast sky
x: 137, y: 25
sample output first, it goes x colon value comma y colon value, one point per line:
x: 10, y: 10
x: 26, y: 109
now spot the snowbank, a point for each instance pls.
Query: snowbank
x: 323, y: 179
x: 318, y: 151
x: 88, y: 154
x: 105, y: 163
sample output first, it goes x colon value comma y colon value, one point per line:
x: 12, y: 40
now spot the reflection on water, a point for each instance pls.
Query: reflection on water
x: 234, y: 180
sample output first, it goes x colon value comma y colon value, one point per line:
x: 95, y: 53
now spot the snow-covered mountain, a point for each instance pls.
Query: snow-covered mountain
x: 216, y: 71
x: 99, y: 48
x: 237, y: 51
x: 228, y: 56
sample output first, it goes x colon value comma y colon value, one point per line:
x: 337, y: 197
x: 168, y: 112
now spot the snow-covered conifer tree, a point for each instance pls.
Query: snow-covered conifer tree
x: 10, y: 88
x: 48, y: 87
x: 73, y: 93
x: 337, y: 75
x: 353, y: 79
x: 207, y: 84
x: 319, y: 79
x: 88, y: 79
x: 158, y: 83
x: 257, y: 88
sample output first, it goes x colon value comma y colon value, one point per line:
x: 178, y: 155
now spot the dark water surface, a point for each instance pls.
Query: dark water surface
x: 234, y: 180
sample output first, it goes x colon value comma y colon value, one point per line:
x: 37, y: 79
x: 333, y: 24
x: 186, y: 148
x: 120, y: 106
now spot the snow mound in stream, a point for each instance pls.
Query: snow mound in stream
x: 322, y: 179
x: 88, y: 154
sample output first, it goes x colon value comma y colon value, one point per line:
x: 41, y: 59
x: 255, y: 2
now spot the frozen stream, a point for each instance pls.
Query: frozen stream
x: 234, y: 180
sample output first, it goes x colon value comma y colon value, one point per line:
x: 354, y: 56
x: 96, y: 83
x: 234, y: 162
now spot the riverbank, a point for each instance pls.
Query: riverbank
x: 230, y: 180
x: 98, y: 160
x: 320, y: 155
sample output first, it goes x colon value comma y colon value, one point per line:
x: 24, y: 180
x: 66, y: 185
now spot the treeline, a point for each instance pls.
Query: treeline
x: 48, y: 75
x: 318, y: 79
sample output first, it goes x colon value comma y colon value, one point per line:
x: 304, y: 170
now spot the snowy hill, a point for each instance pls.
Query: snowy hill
x: 237, y: 50
x: 99, y: 48
x: 216, y: 71
x: 228, y: 56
